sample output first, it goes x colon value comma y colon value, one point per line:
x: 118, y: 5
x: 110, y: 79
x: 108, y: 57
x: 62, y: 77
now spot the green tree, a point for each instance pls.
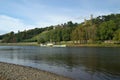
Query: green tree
x: 106, y: 30
x: 117, y: 35
x: 41, y: 40
x: 66, y: 34
x: 78, y: 35
x: 10, y: 38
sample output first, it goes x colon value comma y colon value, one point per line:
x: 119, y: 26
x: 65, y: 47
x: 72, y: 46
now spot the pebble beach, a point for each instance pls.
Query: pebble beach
x: 18, y: 72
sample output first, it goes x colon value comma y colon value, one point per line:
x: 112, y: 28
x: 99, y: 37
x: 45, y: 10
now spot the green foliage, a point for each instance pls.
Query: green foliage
x: 101, y: 28
x: 117, y: 35
x: 55, y: 35
x: 84, y: 33
x: 66, y: 34
x: 10, y: 38
x: 59, y: 33
x: 24, y: 36
x: 106, y: 30
x: 41, y: 40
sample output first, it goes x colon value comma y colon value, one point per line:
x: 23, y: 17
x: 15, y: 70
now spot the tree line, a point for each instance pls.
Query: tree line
x: 22, y: 36
x: 58, y: 33
x: 101, y: 28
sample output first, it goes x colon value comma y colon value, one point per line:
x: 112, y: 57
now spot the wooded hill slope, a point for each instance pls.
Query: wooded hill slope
x: 101, y: 28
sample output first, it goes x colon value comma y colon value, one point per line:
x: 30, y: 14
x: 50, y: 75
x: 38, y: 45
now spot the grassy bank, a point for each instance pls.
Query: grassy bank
x: 94, y: 45
x: 20, y: 44
x: 68, y: 44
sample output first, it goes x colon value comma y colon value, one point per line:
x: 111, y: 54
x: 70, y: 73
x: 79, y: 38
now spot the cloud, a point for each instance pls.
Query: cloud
x: 55, y: 19
x: 8, y: 24
x: 26, y: 14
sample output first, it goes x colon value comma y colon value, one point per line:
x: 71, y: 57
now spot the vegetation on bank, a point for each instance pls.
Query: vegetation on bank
x: 68, y: 44
x: 102, y: 30
x: 20, y: 44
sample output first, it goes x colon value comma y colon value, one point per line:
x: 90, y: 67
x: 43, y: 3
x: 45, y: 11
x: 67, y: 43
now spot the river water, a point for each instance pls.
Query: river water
x: 84, y: 63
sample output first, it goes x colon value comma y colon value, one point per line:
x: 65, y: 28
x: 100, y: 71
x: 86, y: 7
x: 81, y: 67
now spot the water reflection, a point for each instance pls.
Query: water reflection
x: 95, y: 63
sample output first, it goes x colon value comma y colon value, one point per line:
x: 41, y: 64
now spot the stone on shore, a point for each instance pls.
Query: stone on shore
x: 17, y: 72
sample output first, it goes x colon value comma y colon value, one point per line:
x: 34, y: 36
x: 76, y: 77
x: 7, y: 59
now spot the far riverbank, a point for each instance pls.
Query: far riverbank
x: 94, y: 45
x: 67, y: 44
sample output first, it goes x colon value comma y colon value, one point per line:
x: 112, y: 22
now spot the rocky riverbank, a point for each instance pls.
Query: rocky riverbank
x: 17, y: 72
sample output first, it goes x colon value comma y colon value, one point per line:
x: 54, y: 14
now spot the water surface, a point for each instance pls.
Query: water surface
x: 83, y: 63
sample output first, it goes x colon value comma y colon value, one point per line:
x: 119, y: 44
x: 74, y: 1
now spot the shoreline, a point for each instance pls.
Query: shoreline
x: 67, y: 45
x: 94, y: 45
x: 10, y: 71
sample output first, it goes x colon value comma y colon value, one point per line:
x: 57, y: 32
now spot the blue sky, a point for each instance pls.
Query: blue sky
x: 27, y: 14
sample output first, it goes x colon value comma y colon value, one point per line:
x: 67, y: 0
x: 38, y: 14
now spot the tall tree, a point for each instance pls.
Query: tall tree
x: 106, y: 30
x: 117, y: 35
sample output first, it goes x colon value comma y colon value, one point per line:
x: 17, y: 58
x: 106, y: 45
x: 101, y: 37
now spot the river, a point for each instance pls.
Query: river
x: 83, y: 63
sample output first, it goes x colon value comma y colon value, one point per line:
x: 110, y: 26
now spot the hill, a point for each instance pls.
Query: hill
x: 99, y: 29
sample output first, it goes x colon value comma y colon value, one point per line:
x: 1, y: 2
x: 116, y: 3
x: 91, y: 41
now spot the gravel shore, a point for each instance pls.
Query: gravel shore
x: 17, y: 72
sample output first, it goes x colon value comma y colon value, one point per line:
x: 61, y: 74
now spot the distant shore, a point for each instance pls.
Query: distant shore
x: 17, y: 72
x: 67, y: 44
x: 20, y: 44
x: 94, y: 45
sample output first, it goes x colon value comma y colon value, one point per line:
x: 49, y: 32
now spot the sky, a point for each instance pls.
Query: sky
x: 28, y: 14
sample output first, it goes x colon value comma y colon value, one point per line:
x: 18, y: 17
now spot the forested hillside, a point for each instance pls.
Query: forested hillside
x: 21, y: 36
x: 97, y: 29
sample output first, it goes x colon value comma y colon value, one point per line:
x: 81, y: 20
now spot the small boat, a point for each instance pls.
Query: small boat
x: 51, y: 45
x: 59, y: 45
